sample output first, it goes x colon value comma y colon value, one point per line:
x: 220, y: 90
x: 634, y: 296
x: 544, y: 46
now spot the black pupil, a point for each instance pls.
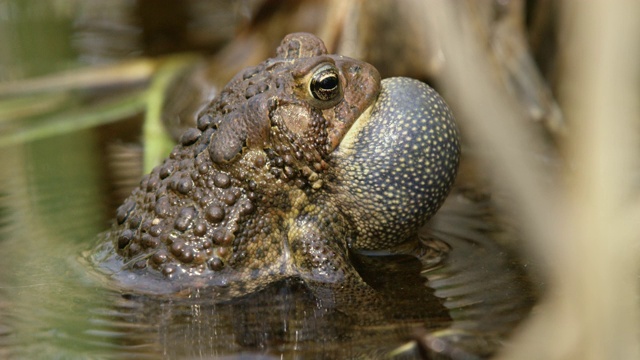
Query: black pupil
x: 325, y: 85
x: 329, y: 82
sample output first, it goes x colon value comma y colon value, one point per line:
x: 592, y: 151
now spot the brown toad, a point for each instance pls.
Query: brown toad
x: 299, y: 161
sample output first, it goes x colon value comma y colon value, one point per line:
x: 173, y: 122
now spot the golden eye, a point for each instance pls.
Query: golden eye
x: 325, y: 83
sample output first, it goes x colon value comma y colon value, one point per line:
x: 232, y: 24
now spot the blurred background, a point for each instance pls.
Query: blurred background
x: 545, y: 93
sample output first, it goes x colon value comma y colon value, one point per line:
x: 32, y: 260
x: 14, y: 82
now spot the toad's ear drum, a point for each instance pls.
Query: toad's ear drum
x: 398, y: 164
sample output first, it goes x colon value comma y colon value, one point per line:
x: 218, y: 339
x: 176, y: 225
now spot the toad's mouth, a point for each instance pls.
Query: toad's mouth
x: 346, y: 142
x: 382, y: 117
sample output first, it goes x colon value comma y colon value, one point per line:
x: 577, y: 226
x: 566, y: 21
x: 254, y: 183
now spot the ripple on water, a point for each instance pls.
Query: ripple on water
x: 50, y: 308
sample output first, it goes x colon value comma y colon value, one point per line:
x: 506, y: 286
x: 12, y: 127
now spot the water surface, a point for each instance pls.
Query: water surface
x: 54, y: 204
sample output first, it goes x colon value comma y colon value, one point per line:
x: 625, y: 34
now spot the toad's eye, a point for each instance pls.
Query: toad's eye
x: 325, y: 83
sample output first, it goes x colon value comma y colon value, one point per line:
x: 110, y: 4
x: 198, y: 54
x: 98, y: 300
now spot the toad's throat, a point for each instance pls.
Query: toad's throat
x: 396, y: 164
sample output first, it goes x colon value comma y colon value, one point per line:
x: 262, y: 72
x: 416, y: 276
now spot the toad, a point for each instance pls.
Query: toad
x: 299, y: 162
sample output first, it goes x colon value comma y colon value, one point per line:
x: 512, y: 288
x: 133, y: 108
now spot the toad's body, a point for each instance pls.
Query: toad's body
x: 298, y: 161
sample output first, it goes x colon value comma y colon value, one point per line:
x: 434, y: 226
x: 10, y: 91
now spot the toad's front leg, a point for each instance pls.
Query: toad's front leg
x: 318, y: 247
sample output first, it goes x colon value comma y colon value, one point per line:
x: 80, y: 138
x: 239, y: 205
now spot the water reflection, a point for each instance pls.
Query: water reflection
x: 462, y: 293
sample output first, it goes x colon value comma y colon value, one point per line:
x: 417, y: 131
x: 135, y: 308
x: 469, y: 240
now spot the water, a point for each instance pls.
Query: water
x: 53, y: 205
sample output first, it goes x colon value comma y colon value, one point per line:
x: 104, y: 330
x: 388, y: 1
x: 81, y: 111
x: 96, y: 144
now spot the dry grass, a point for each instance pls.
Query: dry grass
x: 582, y: 228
